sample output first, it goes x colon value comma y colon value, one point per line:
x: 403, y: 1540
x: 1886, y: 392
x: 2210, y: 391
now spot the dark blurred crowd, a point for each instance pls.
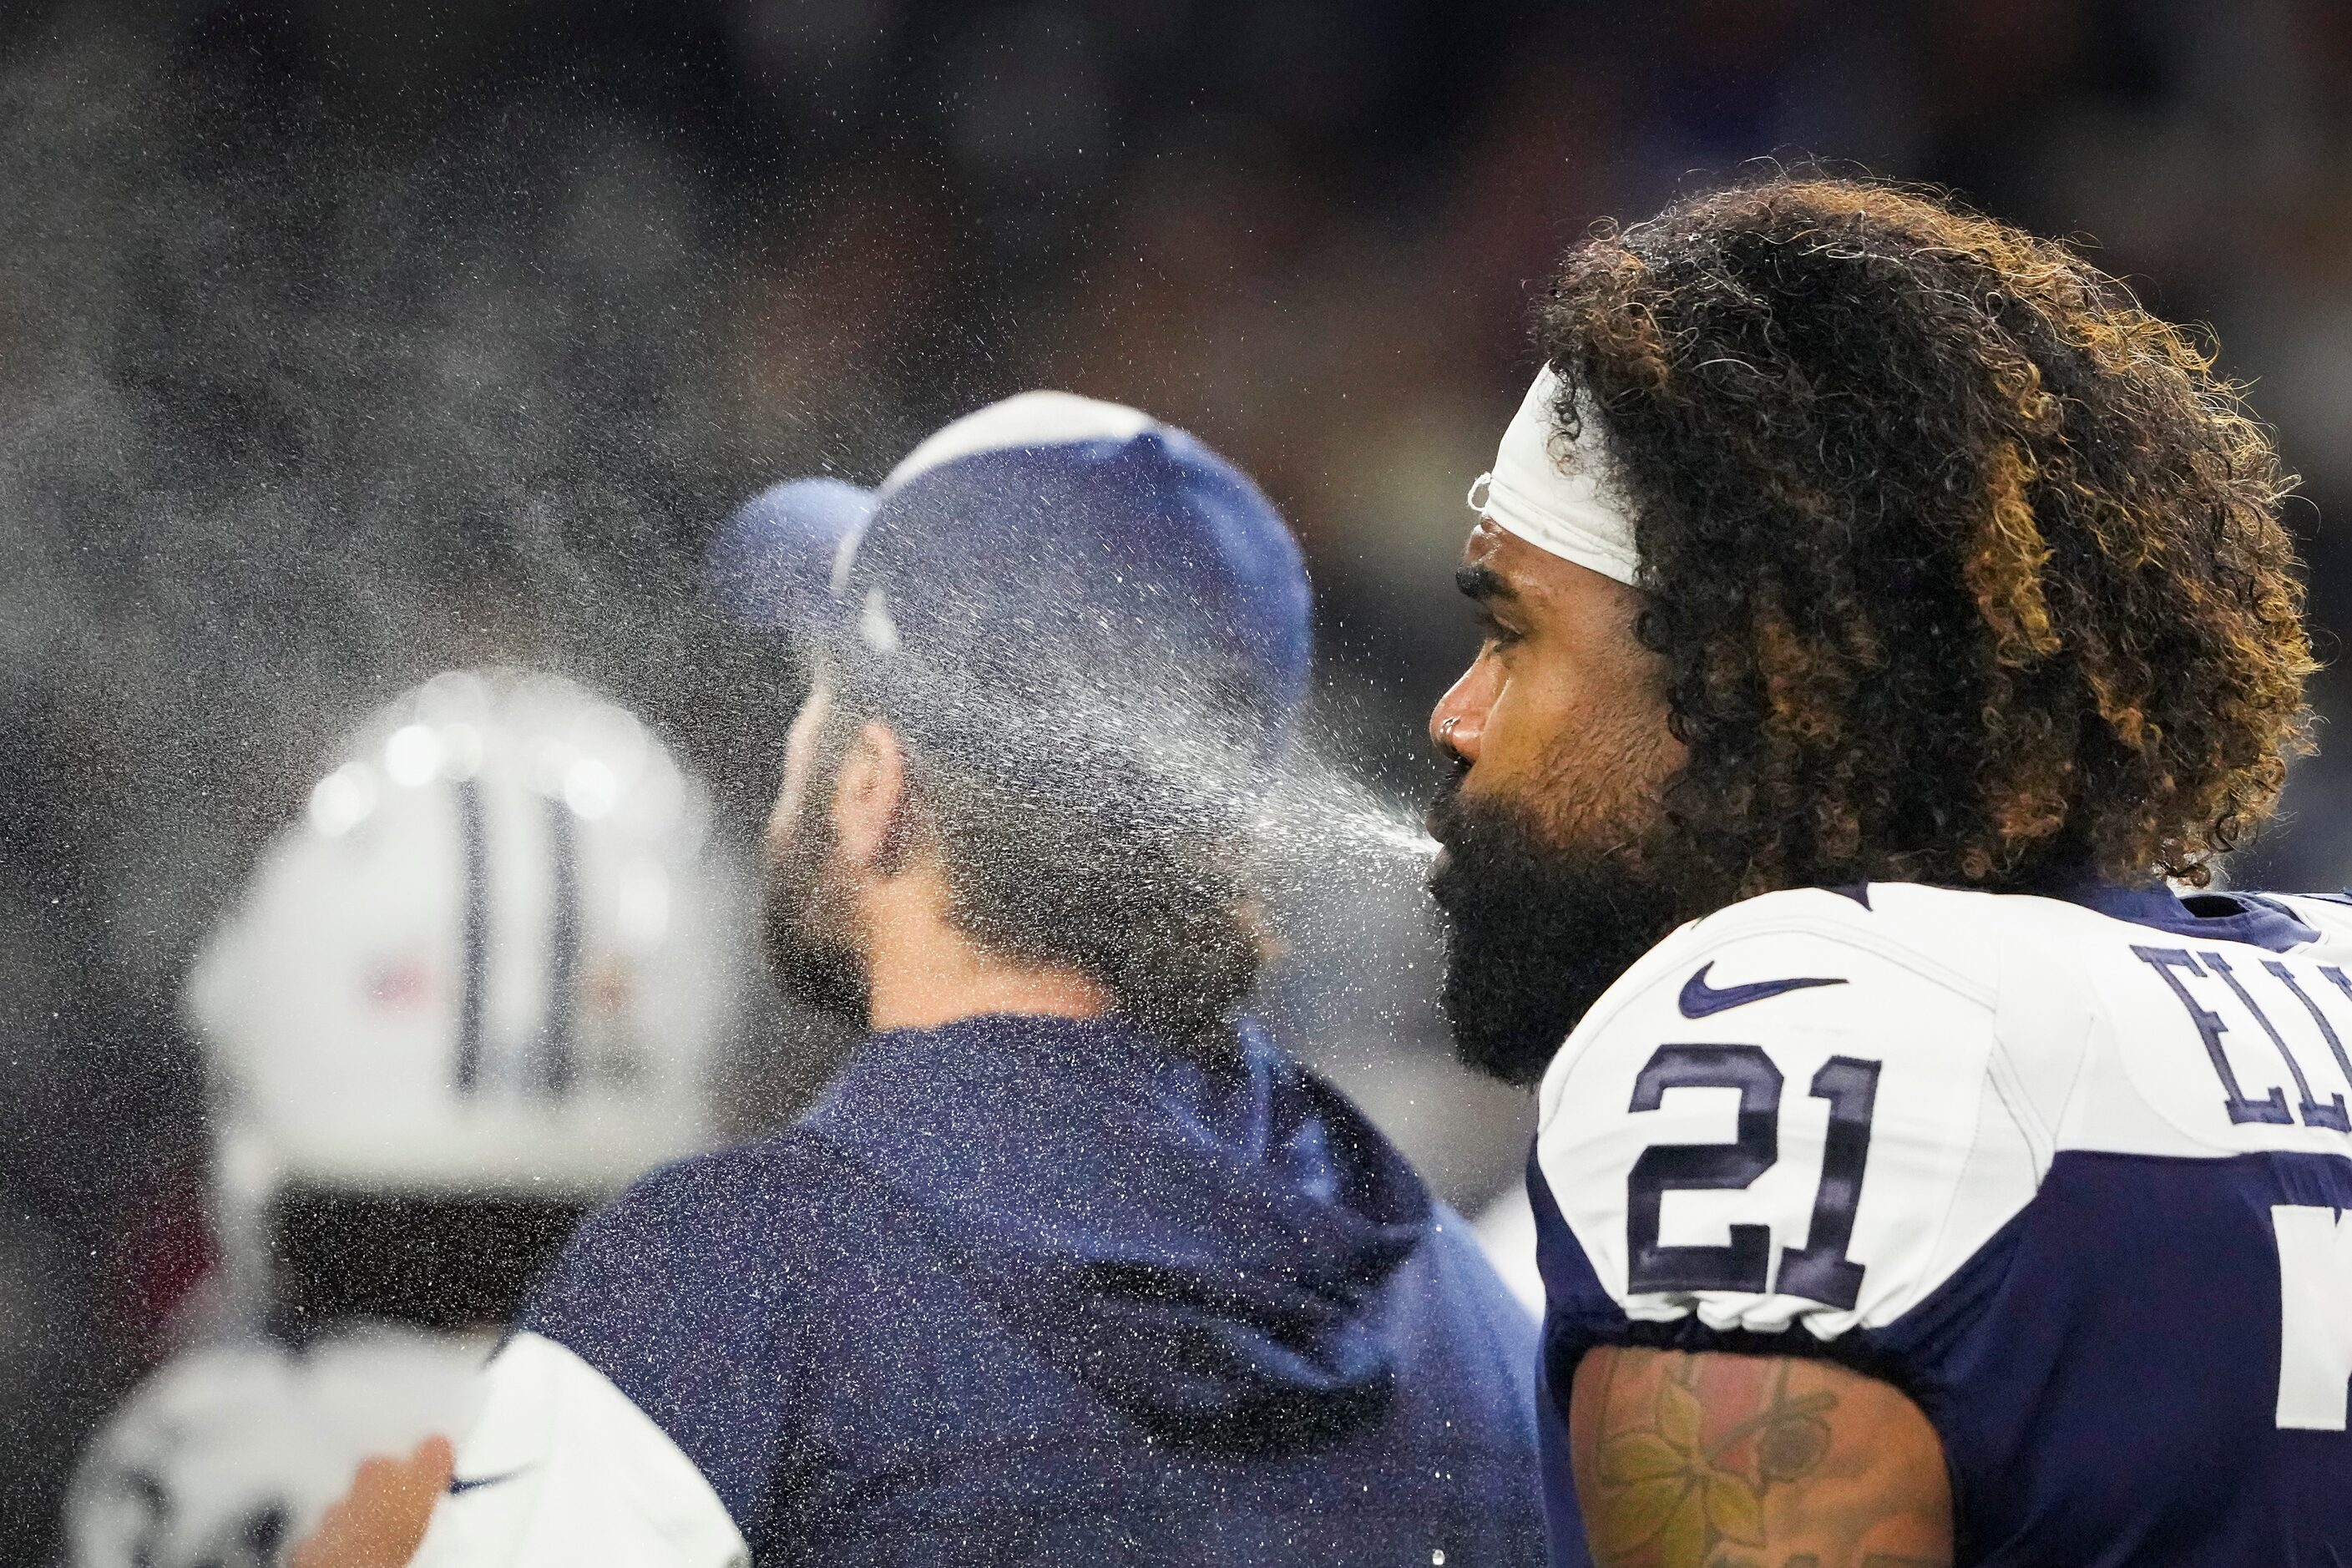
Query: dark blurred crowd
x: 341, y: 343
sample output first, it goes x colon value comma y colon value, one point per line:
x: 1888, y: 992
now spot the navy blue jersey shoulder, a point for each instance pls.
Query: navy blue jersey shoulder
x: 2253, y: 918
x: 1050, y: 1289
x: 2260, y: 918
x: 2148, y: 1364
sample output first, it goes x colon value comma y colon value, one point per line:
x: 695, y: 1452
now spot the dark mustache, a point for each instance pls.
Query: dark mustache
x: 1445, y: 809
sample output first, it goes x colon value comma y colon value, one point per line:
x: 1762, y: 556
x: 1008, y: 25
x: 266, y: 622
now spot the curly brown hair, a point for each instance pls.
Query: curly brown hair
x: 1967, y: 569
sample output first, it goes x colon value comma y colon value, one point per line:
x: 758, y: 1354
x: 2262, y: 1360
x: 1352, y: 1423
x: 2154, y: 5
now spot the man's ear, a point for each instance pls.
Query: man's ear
x: 868, y: 798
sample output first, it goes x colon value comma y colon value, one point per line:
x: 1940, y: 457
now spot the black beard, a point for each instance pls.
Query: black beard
x: 1534, y: 931
x: 813, y: 961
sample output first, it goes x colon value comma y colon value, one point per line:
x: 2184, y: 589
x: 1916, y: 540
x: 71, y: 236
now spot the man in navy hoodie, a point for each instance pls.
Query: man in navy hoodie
x: 1073, y: 1266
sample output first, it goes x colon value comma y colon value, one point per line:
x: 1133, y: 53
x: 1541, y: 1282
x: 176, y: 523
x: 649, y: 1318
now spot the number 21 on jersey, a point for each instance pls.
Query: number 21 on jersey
x: 1820, y: 1271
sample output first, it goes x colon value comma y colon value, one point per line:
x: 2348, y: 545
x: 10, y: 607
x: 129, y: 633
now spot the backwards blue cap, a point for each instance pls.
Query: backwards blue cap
x: 1048, y: 556
x: 773, y: 563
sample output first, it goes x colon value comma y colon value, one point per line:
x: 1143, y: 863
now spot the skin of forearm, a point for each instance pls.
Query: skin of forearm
x: 1712, y: 1460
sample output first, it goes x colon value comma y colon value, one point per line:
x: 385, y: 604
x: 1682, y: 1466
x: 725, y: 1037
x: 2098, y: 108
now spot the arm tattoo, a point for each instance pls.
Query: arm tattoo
x: 1725, y: 1461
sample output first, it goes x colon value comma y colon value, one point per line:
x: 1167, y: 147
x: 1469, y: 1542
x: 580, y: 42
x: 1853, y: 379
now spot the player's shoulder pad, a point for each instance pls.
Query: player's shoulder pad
x: 1791, y: 1112
x: 2330, y: 914
x: 202, y: 1393
x: 200, y: 1441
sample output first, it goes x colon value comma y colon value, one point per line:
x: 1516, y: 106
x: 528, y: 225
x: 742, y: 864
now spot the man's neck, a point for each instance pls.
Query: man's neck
x: 923, y: 973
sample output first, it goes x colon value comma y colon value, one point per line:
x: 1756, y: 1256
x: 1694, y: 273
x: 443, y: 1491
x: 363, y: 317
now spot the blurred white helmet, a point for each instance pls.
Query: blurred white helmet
x: 494, y: 960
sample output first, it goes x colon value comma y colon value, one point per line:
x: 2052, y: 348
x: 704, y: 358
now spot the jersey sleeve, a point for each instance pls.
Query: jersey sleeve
x: 1788, y: 1123
x: 562, y: 1468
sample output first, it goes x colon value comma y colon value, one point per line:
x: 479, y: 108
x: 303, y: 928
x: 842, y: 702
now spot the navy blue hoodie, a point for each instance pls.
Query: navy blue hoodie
x: 1042, y: 1290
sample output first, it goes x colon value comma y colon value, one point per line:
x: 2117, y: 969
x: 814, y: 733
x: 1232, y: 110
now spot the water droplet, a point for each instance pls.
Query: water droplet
x: 413, y: 755
x: 589, y: 788
x: 341, y: 800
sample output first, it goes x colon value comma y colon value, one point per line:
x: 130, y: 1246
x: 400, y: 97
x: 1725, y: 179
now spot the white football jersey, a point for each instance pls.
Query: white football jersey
x: 2070, y: 1172
x: 230, y: 1454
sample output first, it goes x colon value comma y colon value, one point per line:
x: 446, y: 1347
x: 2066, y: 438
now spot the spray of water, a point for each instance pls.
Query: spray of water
x: 1144, y: 727
x: 295, y: 420
x: 1348, y: 816
x: 293, y: 426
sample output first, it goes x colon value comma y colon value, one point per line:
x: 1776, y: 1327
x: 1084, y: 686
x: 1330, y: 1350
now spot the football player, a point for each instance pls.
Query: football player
x: 1889, y: 623
x: 472, y: 993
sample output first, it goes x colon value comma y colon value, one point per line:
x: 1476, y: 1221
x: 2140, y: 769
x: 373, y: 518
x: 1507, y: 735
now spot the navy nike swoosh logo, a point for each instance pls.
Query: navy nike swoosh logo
x: 460, y: 1485
x: 1699, y: 1000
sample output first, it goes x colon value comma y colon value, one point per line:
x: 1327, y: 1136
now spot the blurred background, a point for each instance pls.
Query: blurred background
x: 341, y: 343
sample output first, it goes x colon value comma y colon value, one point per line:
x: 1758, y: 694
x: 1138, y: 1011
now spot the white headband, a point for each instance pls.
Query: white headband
x: 1552, y: 492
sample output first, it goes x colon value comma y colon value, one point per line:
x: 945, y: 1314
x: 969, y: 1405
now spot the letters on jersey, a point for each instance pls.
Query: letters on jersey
x: 2071, y: 1176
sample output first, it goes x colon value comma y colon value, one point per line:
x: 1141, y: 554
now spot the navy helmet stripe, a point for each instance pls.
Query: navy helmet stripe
x: 557, y: 1065
x: 473, y: 933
